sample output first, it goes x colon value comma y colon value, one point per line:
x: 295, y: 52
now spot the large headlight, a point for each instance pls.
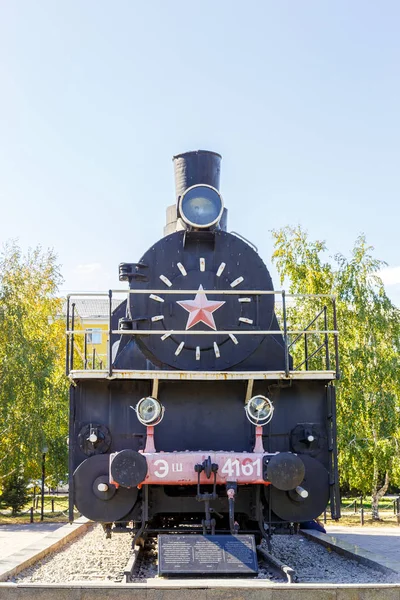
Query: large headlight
x: 259, y: 410
x: 149, y: 411
x: 201, y: 206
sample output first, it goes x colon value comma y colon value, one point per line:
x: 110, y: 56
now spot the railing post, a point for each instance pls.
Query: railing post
x: 85, y: 352
x: 67, y: 342
x: 306, y: 350
x: 336, y: 339
x: 72, y: 336
x: 285, y: 335
x: 327, y: 358
x: 71, y: 454
x: 94, y: 359
x: 109, y: 332
x: 362, y: 516
x: 355, y: 507
x: 31, y: 514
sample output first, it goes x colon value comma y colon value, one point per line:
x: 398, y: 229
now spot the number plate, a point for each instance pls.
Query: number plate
x: 169, y: 468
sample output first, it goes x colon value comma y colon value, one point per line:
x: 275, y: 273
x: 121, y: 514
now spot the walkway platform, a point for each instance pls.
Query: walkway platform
x: 204, y: 589
x: 35, y: 541
x: 378, y: 544
x: 21, y: 545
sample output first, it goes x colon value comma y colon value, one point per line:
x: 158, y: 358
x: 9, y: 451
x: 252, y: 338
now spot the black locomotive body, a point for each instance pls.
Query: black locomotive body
x: 199, y: 418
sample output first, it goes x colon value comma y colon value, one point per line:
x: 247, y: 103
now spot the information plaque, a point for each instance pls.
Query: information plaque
x: 211, y: 554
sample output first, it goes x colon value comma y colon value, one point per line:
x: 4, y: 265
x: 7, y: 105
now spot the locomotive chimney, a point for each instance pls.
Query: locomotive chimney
x: 193, y: 168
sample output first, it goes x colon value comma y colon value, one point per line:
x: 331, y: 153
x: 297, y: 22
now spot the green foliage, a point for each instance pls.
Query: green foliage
x: 15, y: 493
x: 33, y: 386
x: 369, y: 344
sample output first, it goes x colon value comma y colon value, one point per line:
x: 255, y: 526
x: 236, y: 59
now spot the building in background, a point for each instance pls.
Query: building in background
x: 91, y: 315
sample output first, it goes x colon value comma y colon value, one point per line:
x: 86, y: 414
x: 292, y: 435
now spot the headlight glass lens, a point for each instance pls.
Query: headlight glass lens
x: 201, y: 206
x: 259, y: 410
x: 149, y: 411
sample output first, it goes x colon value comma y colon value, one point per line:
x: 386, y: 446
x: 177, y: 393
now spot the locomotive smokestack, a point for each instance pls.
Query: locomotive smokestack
x: 193, y: 168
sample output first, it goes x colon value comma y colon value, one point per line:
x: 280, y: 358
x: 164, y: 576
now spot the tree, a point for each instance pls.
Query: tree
x: 15, y: 493
x: 33, y: 386
x: 369, y: 324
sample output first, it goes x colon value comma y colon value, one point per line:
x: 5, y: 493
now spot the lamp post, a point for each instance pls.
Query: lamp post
x: 44, y: 452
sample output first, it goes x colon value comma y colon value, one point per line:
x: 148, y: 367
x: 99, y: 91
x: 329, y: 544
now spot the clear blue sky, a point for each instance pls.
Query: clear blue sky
x: 301, y: 99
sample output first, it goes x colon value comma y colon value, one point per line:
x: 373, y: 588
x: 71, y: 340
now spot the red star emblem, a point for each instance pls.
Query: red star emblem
x: 200, y: 310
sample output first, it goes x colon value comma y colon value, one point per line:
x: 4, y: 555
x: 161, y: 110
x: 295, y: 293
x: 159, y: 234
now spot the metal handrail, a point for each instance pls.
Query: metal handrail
x: 208, y: 292
x: 305, y: 361
x: 201, y: 332
x: 306, y: 328
x: 285, y: 333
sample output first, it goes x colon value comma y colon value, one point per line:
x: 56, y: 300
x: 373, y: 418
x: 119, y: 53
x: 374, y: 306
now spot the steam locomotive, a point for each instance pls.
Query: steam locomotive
x: 199, y: 419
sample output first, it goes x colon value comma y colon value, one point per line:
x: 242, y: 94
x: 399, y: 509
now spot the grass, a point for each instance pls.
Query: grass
x: 348, y: 519
x: 60, y: 503
x: 384, y: 504
x: 24, y: 519
x: 387, y: 519
x: 58, y: 515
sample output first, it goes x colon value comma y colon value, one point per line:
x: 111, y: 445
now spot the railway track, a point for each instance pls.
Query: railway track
x: 266, y: 559
x: 277, y: 569
x: 132, y: 565
x: 80, y: 567
x: 282, y: 569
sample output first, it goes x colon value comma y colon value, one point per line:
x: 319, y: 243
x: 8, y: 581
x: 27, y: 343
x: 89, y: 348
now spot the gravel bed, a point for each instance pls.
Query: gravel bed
x: 314, y: 563
x: 94, y: 558
x: 89, y: 558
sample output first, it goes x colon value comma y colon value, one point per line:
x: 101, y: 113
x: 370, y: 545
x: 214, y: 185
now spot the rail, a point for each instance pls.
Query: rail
x: 312, y: 348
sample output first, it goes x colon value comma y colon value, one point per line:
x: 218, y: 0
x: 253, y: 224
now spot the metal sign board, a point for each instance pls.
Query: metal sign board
x: 211, y: 554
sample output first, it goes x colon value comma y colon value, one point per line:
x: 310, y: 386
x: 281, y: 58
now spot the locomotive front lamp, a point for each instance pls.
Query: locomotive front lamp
x: 201, y: 206
x: 149, y: 411
x: 259, y: 410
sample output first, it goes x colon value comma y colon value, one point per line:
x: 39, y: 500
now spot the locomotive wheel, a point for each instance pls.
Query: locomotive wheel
x: 107, y: 506
x: 289, y: 506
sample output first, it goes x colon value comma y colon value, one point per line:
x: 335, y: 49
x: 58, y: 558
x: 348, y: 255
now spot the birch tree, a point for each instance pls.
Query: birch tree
x: 33, y: 387
x: 369, y: 343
